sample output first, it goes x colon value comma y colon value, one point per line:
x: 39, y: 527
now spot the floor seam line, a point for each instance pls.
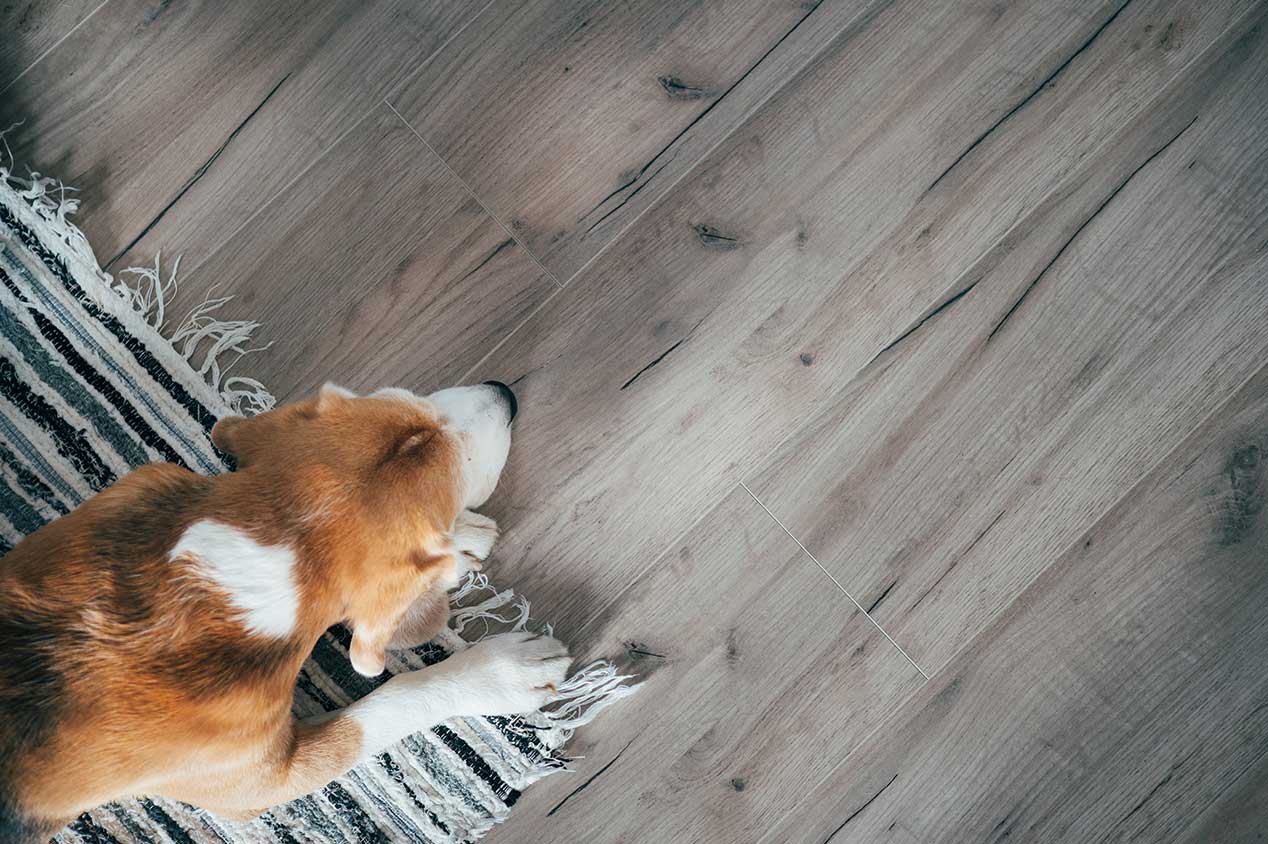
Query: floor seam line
x: 844, y: 591
x: 487, y: 210
x: 282, y: 189
x: 316, y: 158
x: 507, y: 338
x: 42, y: 56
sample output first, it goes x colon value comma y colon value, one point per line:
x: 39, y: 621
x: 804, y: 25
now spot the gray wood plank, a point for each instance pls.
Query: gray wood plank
x: 184, y: 118
x: 571, y: 118
x: 1114, y: 700
x: 32, y: 27
x: 949, y: 476
x: 759, y: 673
x: 681, y: 358
x: 1238, y: 815
x: 383, y: 271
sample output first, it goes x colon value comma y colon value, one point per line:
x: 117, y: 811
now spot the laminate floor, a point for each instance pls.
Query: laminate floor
x: 893, y: 374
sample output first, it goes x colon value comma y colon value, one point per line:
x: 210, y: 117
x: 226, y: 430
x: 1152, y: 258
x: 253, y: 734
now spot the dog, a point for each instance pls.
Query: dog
x: 151, y: 638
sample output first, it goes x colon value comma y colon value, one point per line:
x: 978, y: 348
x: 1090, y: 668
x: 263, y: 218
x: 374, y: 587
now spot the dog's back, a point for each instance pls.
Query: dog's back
x: 14, y: 829
x: 33, y: 630
x: 153, y: 635
x: 107, y: 654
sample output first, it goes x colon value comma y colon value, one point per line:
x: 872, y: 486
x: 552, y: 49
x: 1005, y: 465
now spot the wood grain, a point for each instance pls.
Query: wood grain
x: 32, y: 27
x: 661, y: 83
x: 385, y: 271
x: 681, y: 358
x: 182, y: 119
x: 758, y: 672
x: 1239, y: 815
x: 1114, y: 700
x: 969, y: 294
x: 950, y: 476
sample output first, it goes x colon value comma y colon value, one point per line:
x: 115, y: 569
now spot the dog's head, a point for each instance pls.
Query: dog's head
x: 373, y: 485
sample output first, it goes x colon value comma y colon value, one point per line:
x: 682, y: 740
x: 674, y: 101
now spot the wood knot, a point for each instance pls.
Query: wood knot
x: 1244, y: 498
x: 676, y: 89
x: 712, y: 238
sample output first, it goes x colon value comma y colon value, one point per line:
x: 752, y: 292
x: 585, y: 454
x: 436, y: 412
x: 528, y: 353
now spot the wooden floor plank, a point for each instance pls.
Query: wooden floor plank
x: 385, y: 271
x: 683, y: 357
x: 962, y: 291
x: 661, y: 84
x: 1114, y: 700
x: 950, y: 477
x: 182, y: 119
x: 1238, y: 815
x: 32, y: 27
x: 759, y: 672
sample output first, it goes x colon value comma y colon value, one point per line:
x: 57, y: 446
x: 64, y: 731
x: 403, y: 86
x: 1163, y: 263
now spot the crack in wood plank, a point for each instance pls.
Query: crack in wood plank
x: 937, y: 309
x: 1031, y: 95
x: 1017, y: 304
x: 199, y: 173
x: 665, y: 353
x: 510, y: 241
x: 697, y: 119
x: 860, y: 809
x: 588, y: 782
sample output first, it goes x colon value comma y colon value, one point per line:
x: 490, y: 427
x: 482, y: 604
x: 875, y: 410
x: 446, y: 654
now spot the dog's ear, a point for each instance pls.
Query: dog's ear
x: 416, y: 446
x: 331, y: 396
x: 382, y: 610
x: 369, y: 648
x: 231, y: 435
x: 243, y: 437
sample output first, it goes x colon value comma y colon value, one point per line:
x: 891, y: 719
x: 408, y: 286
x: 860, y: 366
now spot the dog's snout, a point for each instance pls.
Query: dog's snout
x: 506, y: 394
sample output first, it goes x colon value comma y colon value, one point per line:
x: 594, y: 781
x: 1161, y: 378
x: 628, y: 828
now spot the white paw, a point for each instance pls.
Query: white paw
x: 509, y: 673
x: 473, y: 537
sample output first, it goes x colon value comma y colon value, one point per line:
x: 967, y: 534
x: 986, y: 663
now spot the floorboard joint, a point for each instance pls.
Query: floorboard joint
x: 487, y: 210
x: 844, y: 592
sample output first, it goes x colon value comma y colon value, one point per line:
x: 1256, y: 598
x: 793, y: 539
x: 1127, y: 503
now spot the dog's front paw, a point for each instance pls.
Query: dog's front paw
x: 510, y: 673
x: 473, y: 537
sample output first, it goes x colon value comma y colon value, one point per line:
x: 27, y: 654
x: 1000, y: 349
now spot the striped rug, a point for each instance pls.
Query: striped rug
x: 90, y: 388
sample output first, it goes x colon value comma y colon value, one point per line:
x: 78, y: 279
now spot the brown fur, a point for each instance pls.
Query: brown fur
x: 125, y: 674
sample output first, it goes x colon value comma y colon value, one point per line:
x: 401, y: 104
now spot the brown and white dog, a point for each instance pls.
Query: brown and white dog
x: 151, y: 638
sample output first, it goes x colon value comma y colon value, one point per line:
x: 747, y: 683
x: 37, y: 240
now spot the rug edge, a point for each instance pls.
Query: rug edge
x: 43, y: 202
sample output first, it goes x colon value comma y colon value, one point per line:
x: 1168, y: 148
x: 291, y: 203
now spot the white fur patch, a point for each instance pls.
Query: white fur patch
x: 471, y: 543
x: 258, y: 579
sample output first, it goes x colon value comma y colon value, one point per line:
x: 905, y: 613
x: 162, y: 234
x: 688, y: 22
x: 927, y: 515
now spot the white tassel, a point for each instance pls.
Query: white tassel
x: 588, y: 692
x: 46, y: 196
x: 212, y: 346
x: 580, y: 698
x: 148, y: 293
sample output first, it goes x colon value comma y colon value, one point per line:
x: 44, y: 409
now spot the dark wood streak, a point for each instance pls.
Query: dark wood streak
x: 860, y: 809
x: 199, y: 173
x: 588, y: 782
x: 1047, y: 80
x: 1034, y: 282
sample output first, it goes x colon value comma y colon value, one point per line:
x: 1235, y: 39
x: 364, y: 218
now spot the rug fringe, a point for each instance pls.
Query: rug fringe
x: 210, y: 345
x: 581, y: 697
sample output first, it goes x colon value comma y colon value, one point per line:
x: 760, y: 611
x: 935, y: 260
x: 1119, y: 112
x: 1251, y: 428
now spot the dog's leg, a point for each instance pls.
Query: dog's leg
x: 423, y: 621
x: 502, y: 675
x: 473, y: 538
x: 469, y: 545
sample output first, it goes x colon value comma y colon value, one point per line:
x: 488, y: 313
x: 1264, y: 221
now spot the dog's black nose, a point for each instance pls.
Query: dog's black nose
x: 507, y: 396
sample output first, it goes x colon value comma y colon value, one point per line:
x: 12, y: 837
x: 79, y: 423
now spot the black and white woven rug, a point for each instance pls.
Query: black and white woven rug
x: 92, y: 385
